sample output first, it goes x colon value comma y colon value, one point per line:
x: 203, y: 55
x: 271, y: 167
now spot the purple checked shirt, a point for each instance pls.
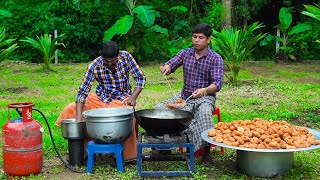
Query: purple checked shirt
x: 199, y: 73
x: 111, y: 85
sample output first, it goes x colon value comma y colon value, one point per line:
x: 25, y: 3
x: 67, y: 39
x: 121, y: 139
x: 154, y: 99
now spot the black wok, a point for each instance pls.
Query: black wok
x: 157, y: 122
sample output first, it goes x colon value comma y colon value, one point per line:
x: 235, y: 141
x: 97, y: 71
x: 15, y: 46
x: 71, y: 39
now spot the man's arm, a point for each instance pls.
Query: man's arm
x: 132, y: 100
x: 138, y: 76
x: 83, y: 92
x: 79, y: 107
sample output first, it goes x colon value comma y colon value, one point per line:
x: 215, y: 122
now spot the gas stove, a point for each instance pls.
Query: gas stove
x: 165, y: 142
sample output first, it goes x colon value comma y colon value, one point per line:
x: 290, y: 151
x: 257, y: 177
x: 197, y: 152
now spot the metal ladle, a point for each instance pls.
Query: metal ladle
x: 184, y: 103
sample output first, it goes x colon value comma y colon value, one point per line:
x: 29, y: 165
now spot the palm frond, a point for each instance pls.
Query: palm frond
x: 235, y: 45
x: 5, y: 51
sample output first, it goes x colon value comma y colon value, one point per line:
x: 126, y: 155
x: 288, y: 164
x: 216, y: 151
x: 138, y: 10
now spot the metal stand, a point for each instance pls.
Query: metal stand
x: 188, y: 157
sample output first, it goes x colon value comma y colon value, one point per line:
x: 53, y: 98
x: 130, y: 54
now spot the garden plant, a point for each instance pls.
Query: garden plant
x: 314, y: 12
x: 285, y: 18
x: 46, y: 46
x: 235, y: 45
x: 6, y: 45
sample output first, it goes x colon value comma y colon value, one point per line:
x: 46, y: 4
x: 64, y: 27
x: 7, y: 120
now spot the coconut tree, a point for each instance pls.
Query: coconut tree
x: 235, y: 45
x: 6, y: 46
x: 46, y: 46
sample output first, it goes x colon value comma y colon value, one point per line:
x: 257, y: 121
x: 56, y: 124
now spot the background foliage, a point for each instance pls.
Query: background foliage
x: 84, y: 23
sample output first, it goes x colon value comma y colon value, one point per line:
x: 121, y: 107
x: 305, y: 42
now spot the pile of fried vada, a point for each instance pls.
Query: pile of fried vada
x: 262, y: 134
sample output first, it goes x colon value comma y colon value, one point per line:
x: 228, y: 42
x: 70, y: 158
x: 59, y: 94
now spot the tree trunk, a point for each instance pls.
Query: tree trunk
x: 226, y: 16
x: 190, y: 15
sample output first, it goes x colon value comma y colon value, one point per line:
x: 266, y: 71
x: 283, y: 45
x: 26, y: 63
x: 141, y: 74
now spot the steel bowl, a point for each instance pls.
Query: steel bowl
x: 71, y: 129
x: 109, y: 125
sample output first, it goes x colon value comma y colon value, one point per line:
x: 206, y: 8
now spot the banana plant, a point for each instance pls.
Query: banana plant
x: 235, y: 45
x: 285, y: 18
x: 4, y: 43
x: 139, y: 23
x: 46, y: 46
x: 5, y: 13
x: 146, y: 14
x: 314, y: 12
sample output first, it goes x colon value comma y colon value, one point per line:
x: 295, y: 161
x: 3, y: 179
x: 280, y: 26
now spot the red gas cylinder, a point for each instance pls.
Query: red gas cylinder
x: 22, y: 142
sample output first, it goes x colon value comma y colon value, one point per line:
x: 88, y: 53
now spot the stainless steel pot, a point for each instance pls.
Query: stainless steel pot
x: 70, y: 129
x: 109, y: 125
x: 75, y: 132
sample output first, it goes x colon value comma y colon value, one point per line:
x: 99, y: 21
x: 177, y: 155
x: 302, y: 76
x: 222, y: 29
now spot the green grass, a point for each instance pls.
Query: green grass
x: 288, y: 92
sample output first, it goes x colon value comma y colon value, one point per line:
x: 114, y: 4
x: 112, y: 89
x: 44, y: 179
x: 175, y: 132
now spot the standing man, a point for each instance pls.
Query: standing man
x: 203, y: 77
x: 111, y: 71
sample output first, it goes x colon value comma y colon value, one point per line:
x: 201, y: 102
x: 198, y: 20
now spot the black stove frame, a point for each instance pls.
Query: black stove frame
x: 188, y: 156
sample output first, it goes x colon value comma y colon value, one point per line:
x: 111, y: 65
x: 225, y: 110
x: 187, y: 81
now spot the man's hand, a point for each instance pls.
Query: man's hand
x: 129, y: 101
x: 199, y: 93
x: 165, y: 69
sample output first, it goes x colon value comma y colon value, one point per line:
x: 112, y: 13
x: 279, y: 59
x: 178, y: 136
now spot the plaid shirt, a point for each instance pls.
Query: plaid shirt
x: 199, y: 73
x: 111, y: 85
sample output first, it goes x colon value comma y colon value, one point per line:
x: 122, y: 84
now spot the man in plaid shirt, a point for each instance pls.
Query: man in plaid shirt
x: 203, y: 77
x: 111, y: 71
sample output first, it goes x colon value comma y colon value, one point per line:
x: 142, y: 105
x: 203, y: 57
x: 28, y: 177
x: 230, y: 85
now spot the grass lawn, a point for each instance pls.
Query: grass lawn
x: 289, y: 92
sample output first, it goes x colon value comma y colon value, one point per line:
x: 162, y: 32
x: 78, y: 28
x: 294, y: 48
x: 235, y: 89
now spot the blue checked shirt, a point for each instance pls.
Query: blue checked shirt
x: 199, y: 73
x: 111, y: 85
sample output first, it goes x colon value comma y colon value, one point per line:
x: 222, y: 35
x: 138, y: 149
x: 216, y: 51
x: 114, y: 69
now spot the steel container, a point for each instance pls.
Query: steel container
x: 109, y: 125
x: 264, y: 162
x: 71, y: 129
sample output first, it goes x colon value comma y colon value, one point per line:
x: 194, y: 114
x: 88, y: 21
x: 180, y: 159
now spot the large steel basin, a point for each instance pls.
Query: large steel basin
x: 109, y: 125
x: 264, y: 162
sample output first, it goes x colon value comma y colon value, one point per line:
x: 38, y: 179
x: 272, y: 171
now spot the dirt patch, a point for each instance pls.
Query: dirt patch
x: 66, y: 175
x: 17, y: 89
x: 300, y: 120
x: 53, y: 168
x: 267, y: 71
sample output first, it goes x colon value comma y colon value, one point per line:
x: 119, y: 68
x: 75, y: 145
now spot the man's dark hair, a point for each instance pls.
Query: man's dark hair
x: 109, y: 49
x: 204, y: 28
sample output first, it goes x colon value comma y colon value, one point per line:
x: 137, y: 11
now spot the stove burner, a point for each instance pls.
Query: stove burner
x: 167, y: 138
